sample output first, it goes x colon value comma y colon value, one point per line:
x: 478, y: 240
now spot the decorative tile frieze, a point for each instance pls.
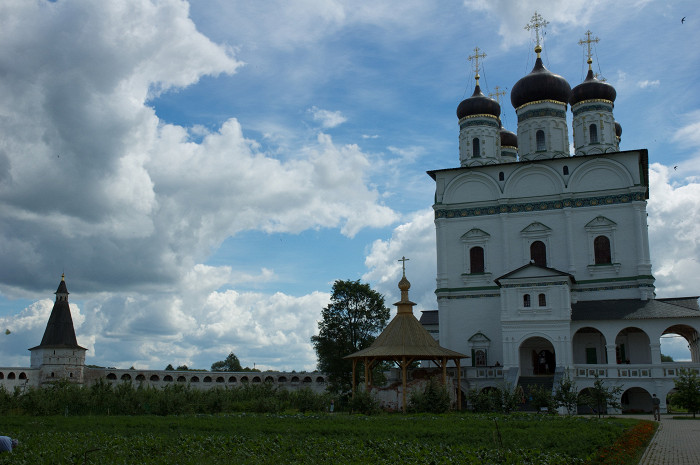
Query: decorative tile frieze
x: 550, y: 283
x: 541, y: 113
x: 467, y: 296
x: 480, y: 122
x: 586, y: 106
x: 538, y: 206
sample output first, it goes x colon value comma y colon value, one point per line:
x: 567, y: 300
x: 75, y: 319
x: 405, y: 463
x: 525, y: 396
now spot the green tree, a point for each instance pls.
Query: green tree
x: 169, y: 367
x: 230, y: 363
x: 687, y: 393
x: 182, y: 368
x: 666, y: 358
x: 351, y: 322
x: 542, y: 398
x: 566, y: 394
x: 600, y: 397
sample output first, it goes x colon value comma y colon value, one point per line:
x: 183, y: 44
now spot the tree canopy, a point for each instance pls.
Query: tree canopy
x: 230, y: 363
x: 351, y: 322
x: 687, y: 393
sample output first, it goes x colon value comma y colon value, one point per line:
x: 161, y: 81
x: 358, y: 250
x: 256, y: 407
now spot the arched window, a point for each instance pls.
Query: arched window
x: 154, y: 378
x: 476, y: 260
x: 539, y: 138
x: 542, y: 300
x: 476, y: 152
x: 526, y: 300
x: 565, y: 170
x: 501, y: 176
x: 538, y: 253
x: 480, y: 358
x: 601, y: 248
x: 593, y: 131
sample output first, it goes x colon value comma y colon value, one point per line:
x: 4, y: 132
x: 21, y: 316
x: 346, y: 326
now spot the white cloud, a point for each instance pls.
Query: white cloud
x: 368, y: 136
x: 689, y: 134
x: 513, y: 16
x: 93, y: 179
x: 414, y: 239
x: 204, y: 325
x: 647, y: 83
x: 327, y: 118
x: 674, y: 233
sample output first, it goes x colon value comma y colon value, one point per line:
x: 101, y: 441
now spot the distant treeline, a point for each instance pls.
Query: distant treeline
x: 102, y: 398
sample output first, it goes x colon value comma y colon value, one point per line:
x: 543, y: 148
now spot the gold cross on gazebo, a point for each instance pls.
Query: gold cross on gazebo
x: 403, y: 264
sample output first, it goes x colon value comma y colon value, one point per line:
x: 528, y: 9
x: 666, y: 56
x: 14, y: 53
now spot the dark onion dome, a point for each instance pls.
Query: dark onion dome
x: 592, y: 89
x: 540, y: 84
x: 478, y: 104
x: 508, y: 138
x: 618, y: 129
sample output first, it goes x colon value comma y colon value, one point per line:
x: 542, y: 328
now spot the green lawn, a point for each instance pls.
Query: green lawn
x: 320, y: 439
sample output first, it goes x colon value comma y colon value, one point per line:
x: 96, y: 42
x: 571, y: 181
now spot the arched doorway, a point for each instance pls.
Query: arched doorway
x: 632, y: 346
x: 679, y: 343
x: 636, y: 400
x: 583, y: 407
x: 589, y: 347
x: 537, y: 357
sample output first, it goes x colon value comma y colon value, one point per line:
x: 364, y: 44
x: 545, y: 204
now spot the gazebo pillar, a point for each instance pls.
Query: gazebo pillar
x: 354, y: 366
x: 403, y: 381
x: 459, y: 385
x: 366, y: 375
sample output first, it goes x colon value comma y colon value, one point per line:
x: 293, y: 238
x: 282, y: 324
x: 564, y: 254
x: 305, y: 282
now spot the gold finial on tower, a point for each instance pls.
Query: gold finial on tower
x: 475, y: 58
x: 63, y: 276
x: 537, y: 22
x: 498, y: 94
x: 588, y: 43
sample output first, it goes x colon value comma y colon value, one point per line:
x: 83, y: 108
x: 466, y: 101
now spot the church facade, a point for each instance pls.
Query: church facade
x: 543, y: 256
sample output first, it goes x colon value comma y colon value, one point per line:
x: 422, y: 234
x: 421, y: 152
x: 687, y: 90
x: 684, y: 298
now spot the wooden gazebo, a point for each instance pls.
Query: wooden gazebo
x: 405, y: 341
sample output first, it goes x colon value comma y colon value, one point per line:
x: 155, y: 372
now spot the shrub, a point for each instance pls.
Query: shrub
x: 365, y: 403
x: 433, y: 398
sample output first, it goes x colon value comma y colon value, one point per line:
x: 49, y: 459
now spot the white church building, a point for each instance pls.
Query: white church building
x: 543, y: 263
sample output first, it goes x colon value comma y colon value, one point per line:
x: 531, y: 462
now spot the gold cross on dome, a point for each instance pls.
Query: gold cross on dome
x: 475, y: 59
x: 403, y: 264
x: 537, y: 22
x: 498, y: 94
x: 588, y: 43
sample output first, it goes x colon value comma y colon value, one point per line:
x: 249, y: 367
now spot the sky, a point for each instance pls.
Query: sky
x: 203, y: 171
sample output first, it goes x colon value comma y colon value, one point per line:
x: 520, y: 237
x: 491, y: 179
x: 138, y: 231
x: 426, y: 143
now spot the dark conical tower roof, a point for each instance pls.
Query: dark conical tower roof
x: 59, y: 330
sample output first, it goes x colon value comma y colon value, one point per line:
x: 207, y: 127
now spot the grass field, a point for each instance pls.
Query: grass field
x: 318, y: 439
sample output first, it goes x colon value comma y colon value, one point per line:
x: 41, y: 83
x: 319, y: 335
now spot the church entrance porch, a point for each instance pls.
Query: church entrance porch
x: 537, y: 357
